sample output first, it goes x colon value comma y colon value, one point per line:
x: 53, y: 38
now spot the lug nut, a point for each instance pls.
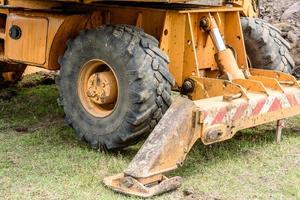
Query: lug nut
x: 90, y: 94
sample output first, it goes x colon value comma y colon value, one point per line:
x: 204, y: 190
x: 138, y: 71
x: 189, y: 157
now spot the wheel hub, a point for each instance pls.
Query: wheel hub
x: 98, y: 88
x: 102, y: 88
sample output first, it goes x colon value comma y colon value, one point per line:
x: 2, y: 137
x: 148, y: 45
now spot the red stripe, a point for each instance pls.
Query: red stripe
x: 292, y: 100
x: 276, y: 105
x: 240, y: 111
x: 258, y: 107
x: 220, y: 116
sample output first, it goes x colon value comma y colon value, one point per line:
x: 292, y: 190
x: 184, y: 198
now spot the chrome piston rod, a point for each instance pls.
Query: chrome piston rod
x: 226, y: 61
x: 217, y: 39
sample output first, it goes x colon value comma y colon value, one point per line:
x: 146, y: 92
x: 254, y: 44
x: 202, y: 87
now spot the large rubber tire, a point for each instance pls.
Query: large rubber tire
x: 144, y: 85
x: 265, y: 47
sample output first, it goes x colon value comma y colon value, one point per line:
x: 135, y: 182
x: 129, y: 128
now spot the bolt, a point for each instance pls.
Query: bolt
x: 103, y: 94
x: 90, y: 94
x: 188, y: 86
x: 204, y: 23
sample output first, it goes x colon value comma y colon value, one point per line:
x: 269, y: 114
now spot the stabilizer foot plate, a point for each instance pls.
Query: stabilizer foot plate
x: 131, y: 186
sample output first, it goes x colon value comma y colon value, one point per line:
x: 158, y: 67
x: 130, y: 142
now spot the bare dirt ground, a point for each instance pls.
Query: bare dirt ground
x: 285, y: 15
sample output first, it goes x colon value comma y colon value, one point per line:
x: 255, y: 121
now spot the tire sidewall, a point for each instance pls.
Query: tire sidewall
x: 93, y: 52
x: 143, y: 78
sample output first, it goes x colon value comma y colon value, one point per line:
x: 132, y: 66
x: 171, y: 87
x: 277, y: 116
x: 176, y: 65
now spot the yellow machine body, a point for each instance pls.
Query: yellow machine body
x: 204, y: 44
x: 45, y: 34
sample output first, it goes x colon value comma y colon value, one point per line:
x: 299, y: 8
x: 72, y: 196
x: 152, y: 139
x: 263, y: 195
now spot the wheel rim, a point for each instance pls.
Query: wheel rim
x: 98, y: 88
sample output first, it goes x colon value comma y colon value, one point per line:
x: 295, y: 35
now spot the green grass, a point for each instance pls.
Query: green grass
x: 40, y: 158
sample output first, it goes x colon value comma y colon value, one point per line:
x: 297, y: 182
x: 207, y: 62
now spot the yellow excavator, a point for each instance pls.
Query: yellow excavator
x: 119, y: 61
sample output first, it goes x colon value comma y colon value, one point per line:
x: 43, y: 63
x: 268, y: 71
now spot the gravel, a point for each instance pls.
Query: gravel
x: 285, y: 16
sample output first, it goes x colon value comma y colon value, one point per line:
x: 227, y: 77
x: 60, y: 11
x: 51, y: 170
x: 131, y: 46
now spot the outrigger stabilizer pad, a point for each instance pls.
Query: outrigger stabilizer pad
x: 131, y: 186
x: 231, y: 106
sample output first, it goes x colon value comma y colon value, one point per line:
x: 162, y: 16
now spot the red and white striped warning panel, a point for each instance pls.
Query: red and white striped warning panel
x: 217, y: 111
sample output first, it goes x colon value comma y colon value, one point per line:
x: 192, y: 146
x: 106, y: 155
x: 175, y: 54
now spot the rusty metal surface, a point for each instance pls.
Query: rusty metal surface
x: 279, y: 126
x: 279, y: 99
x: 131, y: 186
x: 210, y: 87
x: 168, y: 144
x: 227, y: 64
x: 212, y: 120
x: 220, y: 109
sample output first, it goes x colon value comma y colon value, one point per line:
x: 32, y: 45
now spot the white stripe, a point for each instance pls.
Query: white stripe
x: 208, y: 120
x: 267, y: 105
x: 212, y: 114
x: 284, y: 102
x: 250, y: 108
x: 230, y: 114
x: 297, y: 96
